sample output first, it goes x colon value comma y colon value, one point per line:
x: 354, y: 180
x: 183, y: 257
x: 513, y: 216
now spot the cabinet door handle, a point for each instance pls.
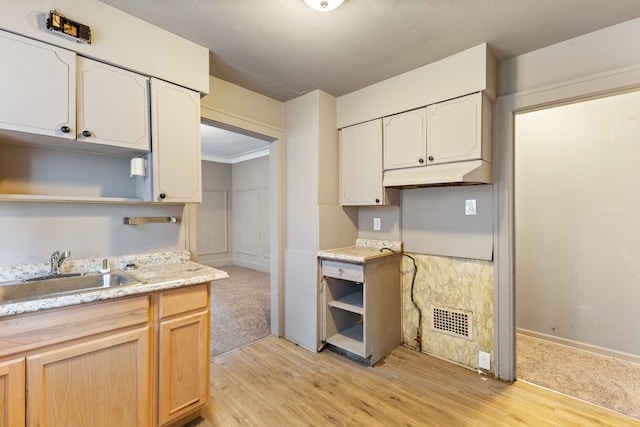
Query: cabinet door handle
x: 431, y: 158
x: 377, y: 200
x: 421, y: 160
x: 340, y: 271
x: 86, y: 133
x: 65, y: 129
x: 162, y: 195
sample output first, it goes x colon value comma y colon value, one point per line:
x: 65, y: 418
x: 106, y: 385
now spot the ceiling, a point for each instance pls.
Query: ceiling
x: 284, y: 49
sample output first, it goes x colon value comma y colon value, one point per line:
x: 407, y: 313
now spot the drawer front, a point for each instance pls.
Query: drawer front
x: 341, y: 270
x: 183, y: 300
x: 28, y: 331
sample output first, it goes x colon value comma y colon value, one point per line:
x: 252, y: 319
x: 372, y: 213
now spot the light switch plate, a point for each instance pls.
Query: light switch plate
x: 470, y: 207
x: 376, y: 224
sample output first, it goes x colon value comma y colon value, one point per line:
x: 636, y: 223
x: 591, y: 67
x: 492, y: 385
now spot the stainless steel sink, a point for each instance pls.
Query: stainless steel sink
x: 53, y: 285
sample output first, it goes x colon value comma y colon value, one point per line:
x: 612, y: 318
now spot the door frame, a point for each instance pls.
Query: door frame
x: 593, y: 86
x: 276, y: 204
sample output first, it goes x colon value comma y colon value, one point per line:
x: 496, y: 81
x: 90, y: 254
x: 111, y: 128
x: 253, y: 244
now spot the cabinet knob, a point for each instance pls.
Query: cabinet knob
x: 421, y: 160
x: 65, y: 129
x: 431, y: 158
x: 86, y: 133
x: 377, y: 200
x: 340, y: 271
x: 162, y: 195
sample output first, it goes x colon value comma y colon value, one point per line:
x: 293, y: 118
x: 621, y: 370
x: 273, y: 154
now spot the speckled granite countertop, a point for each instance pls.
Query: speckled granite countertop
x: 158, y: 272
x: 363, y: 251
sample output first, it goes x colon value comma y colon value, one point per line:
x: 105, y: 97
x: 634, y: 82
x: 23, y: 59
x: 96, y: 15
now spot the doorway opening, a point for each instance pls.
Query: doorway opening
x: 233, y: 233
x: 576, y: 251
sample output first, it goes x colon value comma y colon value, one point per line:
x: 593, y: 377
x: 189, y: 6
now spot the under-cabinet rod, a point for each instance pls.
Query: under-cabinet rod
x: 149, y: 219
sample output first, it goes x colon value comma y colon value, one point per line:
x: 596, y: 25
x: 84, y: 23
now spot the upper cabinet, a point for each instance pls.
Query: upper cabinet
x: 459, y: 130
x: 175, y: 117
x: 113, y: 106
x: 405, y: 139
x: 55, y: 93
x: 361, y: 166
x: 38, y: 85
x: 60, y: 112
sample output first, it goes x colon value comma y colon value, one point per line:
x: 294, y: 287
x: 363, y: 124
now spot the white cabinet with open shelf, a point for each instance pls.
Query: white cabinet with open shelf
x: 362, y: 307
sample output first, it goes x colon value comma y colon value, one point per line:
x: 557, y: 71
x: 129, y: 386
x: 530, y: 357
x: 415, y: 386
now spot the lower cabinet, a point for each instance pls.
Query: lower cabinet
x: 362, y: 307
x: 102, y: 382
x: 12, y: 393
x: 184, y: 352
x: 132, y: 361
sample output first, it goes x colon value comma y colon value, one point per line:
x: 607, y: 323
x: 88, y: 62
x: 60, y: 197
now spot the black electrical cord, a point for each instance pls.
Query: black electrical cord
x: 418, y: 338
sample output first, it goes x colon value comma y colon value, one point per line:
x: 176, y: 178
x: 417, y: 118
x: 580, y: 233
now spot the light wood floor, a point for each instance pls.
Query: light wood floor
x: 275, y: 383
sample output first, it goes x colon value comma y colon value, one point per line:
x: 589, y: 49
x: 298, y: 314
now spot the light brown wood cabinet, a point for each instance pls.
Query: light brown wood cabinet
x: 101, y: 382
x: 12, y: 393
x: 132, y: 361
x: 184, y: 352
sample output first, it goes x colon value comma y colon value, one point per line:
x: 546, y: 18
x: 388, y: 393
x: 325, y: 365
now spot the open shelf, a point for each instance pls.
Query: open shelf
x: 70, y: 199
x: 352, y: 302
x: 351, y: 340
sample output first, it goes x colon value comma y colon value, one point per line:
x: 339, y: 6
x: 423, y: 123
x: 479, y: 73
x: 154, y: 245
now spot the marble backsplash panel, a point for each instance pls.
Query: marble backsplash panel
x: 456, y: 283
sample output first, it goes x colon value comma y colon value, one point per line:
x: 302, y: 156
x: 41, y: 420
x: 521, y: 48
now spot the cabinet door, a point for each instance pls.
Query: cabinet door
x: 175, y: 121
x: 104, y: 382
x: 405, y: 139
x: 454, y: 130
x: 361, y: 164
x: 184, y: 366
x: 12, y: 393
x: 38, y: 87
x: 113, y: 106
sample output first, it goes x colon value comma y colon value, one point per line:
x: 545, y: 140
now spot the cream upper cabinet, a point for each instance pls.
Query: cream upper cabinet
x: 405, y: 139
x: 459, y: 130
x: 175, y: 123
x: 112, y: 105
x: 361, y: 165
x: 38, y: 86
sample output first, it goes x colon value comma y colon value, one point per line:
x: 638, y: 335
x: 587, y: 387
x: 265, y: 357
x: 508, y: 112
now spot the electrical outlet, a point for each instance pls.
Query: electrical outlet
x: 376, y: 224
x: 484, y: 361
x: 470, y: 207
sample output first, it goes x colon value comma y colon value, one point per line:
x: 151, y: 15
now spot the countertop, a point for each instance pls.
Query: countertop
x: 363, y: 251
x: 157, y: 272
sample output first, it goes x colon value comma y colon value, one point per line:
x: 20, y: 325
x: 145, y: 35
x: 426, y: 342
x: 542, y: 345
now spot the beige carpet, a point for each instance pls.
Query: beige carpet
x: 605, y: 381
x: 240, y: 309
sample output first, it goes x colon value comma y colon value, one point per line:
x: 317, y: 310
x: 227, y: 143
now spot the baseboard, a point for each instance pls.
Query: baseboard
x: 581, y: 345
x: 252, y: 265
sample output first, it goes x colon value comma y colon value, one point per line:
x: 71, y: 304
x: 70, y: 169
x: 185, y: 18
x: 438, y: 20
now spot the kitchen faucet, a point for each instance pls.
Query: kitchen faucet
x: 57, y: 258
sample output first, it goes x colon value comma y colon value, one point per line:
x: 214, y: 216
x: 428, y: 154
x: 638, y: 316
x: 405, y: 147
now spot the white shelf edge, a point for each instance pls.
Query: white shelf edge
x: 352, y: 302
x: 351, y: 339
x: 69, y: 199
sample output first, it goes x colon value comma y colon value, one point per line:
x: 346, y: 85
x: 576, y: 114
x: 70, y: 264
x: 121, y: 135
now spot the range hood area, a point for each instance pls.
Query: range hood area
x: 459, y: 173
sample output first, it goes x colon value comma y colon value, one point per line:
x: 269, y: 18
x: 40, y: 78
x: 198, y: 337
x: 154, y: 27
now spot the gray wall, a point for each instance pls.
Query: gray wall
x: 577, y: 252
x: 31, y: 231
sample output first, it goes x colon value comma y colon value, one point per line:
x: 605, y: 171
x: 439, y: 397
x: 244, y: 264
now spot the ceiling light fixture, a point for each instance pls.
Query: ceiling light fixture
x: 323, y: 5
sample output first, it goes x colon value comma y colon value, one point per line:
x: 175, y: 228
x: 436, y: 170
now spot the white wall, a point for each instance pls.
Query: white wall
x: 215, y: 219
x: 577, y: 270
x: 251, y: 196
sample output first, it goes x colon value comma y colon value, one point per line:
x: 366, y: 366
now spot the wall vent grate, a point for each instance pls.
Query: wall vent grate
x: 452, y: 321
